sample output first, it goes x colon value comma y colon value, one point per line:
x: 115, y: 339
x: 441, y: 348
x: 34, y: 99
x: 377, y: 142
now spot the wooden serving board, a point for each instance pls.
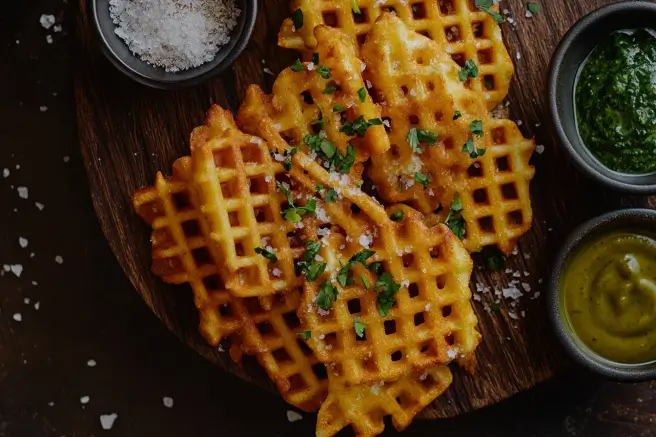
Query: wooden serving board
x: 127, y: 132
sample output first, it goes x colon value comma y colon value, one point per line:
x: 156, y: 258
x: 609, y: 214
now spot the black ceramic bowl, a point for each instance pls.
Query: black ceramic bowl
x: 118, y: 53
x: 574, y: 48
x: 622, y: 219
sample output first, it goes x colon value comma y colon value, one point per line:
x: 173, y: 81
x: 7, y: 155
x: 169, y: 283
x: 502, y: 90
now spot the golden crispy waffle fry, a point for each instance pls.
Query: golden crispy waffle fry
x: 457, y: 27
x: 433, y: 269
x: 265, y: 327
x: 180, y: 253
x: 327, y: 96
x: 273, y: 337
x: 426, y: 98
x: 364, y: 407
x: 420, y: 97
x: 235, y: 177
x: 495, y: 191
x: 427, y: 320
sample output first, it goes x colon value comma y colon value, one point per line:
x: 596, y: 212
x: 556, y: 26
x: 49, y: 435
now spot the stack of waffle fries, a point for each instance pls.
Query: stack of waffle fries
x: 353, y: 296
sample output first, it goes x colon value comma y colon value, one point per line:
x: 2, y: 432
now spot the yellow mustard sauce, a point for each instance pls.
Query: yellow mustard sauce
x: 609, y: 295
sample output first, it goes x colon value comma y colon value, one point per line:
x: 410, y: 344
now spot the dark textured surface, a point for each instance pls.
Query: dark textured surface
x: 88, y: 309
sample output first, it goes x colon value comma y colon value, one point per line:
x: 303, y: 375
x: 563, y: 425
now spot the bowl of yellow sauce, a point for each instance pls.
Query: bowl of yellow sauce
x: 602, y: 298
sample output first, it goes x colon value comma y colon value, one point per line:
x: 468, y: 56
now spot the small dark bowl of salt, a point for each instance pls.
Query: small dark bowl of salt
x: 172, y: 44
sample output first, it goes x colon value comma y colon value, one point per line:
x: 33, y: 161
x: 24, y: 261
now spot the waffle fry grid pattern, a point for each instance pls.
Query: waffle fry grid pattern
x: 464, y: 31
x: 222, y: 202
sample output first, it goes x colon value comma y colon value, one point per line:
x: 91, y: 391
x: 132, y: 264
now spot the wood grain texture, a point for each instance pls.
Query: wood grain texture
x: 127, y: 132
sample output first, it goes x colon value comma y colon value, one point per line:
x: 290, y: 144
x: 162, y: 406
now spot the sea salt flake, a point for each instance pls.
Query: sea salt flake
x: 16, y: 269
x: 174, y: 34
x: 107, y: 420
x: 23, y: 242
x: 47, y: 21
x: 293, y: 416
x: 167, y: 401
x: 39, y: 205
x: 5, y: 173
x: 91, y: 363
x: 22, y: 192
x: 59, y: 259
x: 85, y: 400
x: 18, y: 317
x: 539, y: 149
x: 49, y: 39
x: 37, y: 305
x: 67, y: 158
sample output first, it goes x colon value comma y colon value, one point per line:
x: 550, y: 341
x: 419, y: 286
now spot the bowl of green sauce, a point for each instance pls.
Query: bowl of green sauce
x: 602, y: 295
x: 602, y: 95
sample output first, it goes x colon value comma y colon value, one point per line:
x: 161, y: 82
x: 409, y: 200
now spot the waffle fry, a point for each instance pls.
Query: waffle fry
x: 300, y: 98
x: 432, y: 321
x: 235, y: 177
x: 363, y: 407
x: 457, y: 26
x: 267, y: 328
x: 419, y: 89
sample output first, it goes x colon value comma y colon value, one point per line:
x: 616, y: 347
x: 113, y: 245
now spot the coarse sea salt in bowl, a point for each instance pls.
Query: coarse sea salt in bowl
x: 172, y: 43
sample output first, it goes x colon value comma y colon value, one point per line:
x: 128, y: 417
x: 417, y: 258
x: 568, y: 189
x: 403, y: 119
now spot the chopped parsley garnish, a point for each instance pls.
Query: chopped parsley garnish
x: 454, y: 219
x: 533, y: 8
x: 293, y: 213
x: 416, y: 136
x: 359, y: 126
x: 326, y: 296
x: 327, y: 150
x: 344, y: 276
x: 307, y: 264
x: 267, y: 254
x: 386, y: 289
x: 376, y: 267
x: 397, y: 216
x: 494, y: 259
x: 457, y: 115
x: 330, y: 196
x: 297, y: 18
x: 287, y: 163
x: 356, y: 9
x: 486, y: 6
x: 305, y: 335
x: 297, y: 66
x: 476, y: 127
x: 495, y: 308
x: 364, y: 282
x: 488, y: 81
x: 338, y: 108
x: 315, y: 58
x: 359, y: 326
x: 470, y: 147
x: 362, y: 93
x: 330, y: 88
x: 319, y: 188
x: 422, y: 179
x: 470, y: 69
x: 323, y: 72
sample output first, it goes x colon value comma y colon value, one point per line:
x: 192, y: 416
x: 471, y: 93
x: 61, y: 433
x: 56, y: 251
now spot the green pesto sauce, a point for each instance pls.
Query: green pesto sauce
x: 616, y: 102
x: 608, y: 293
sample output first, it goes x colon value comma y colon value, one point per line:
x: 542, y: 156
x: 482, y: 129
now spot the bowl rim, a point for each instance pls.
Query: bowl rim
x: 586, y: 357
x: 555, y: 70
x: 250, y: 12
